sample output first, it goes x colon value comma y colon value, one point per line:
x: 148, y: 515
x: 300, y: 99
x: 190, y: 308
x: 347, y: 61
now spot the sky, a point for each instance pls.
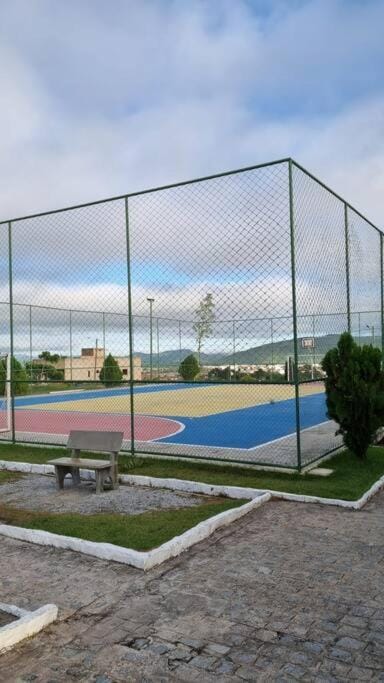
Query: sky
x: 99, y: 99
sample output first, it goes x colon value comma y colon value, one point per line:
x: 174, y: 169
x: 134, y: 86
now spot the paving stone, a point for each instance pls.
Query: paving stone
x: 359, y: 622
x: 243, y: 657
x: 362, y: 611
x: 216, y: 649
x: 180, y: 652
x: 350, y: 644
x: 316, y: 648
x: 193, y: 643
x: 300, y: 658
x: 160, y: 648
x: 265, y: 635
x: 343, y: 655
x: 359, y: 674
x: 246, y: 673
x: 225, y: 666
x: 293, y: 670
x: 203, y: 662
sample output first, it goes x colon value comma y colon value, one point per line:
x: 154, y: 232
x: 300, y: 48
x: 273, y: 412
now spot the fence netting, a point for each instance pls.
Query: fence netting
x: 194, y: 318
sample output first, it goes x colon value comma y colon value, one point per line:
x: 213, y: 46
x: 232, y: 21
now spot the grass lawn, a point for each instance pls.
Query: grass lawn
x: 8, y: 476
x: 350, y: 479
x: 47, y: 387
x: 140, y: 532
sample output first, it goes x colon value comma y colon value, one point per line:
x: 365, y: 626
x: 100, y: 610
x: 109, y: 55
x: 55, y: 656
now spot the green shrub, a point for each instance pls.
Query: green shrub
x: 18, y: 374
x: 355, y: 392
x: 110, y: 374
x: 189, y: 367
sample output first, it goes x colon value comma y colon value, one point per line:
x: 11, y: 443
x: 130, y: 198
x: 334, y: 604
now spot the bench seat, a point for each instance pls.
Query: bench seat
x: 104, y: 469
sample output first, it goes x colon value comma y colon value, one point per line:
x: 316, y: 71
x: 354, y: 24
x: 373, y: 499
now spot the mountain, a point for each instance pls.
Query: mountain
x: 257, y: 355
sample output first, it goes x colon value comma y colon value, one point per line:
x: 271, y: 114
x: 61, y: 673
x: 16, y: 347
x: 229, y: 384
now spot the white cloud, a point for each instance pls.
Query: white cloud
x: 99, y: 101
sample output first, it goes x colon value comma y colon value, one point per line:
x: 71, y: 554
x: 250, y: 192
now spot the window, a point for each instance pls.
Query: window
x: 125, y: 371
x: 89, y: 373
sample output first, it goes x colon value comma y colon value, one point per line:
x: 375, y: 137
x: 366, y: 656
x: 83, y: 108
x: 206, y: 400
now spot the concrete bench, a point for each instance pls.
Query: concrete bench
x: 104, y: 442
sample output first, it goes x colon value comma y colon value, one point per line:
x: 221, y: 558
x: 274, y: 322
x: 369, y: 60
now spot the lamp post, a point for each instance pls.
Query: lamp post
x: 372, y: 328
x: 150, y: 336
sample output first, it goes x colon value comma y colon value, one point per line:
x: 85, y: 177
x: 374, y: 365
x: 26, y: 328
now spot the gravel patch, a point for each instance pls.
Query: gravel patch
x: 38, y: 493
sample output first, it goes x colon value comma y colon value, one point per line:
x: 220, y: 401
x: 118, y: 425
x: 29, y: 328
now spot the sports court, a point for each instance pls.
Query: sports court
x: 206, y: 417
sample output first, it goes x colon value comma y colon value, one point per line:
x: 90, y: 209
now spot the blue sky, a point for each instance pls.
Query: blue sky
x: 101, y: 98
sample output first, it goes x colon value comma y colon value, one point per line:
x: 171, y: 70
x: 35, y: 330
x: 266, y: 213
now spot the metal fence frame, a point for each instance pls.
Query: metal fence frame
x: 290, y: 165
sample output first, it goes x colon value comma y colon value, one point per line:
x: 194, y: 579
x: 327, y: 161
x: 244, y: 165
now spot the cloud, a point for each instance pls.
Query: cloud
x: 98, y: 102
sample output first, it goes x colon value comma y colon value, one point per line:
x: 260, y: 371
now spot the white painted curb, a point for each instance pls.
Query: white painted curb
x: 187, y: 486
x: 26, y: 625
x: 140, y: 560
x: 177, y: 545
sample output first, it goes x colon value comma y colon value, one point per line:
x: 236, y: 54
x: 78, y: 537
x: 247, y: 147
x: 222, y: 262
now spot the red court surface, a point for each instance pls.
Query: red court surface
x: 146, y: 428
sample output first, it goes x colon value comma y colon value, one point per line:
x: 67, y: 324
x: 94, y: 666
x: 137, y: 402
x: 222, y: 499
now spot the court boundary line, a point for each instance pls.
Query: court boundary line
x: 253, y: 448
x: 181, y: 425
x: 182, y: 428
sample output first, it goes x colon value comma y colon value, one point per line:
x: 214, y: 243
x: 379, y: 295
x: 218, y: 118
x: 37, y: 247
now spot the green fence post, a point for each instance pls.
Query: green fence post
x: 294, y: 313
x: 70, y: 347
x: 130, y: 330
x: 30, y: 342
x: 347, y: 273
x: 103, y: 316
x: 180, y: 343
x: 382, y: 291
x: 233, y: 350
x: 158, y: 347
x: 11, y: 337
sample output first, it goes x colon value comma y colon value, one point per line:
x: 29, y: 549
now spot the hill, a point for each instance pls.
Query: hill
x: 256, y: 355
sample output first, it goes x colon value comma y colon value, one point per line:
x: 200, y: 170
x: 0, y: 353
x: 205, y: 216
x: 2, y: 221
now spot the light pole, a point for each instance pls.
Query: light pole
x: 372, y: 328
x: 150, y: 337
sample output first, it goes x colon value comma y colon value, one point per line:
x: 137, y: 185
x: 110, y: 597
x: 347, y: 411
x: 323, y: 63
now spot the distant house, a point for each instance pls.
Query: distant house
x: 88, y: 365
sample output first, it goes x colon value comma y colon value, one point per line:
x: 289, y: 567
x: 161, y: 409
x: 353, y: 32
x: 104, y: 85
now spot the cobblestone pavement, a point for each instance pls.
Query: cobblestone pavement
x: 290, y: 592
x: 38, y: 492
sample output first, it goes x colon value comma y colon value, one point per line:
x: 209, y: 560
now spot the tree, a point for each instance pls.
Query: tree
x: 110, y: 374
x: 49, y: 357
x: 354, y: 388
x: 189, y: 367
x: 205, y: 316
x: 43, y: 372
x: 18, y: 375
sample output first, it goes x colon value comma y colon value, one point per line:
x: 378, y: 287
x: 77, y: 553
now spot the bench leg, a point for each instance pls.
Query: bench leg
x: 99, y: 481
x: 59, y: 475
x: 75, y: 476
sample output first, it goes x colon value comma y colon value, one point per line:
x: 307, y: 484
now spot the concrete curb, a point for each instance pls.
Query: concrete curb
x: 187, y: 486
x: 26, y: 625
x: 140, y: 560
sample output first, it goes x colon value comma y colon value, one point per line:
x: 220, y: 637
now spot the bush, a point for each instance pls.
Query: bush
x: 110, y: 374
x: 355, y: 392
x: 18, y: 374
x: 43, y: 371
x: 189, y: 367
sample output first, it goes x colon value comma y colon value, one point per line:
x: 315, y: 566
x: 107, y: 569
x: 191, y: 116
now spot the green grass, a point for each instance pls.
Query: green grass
x: 140, y: 532
x: 8, y: 476
x: 47, y: 387
x: 350, y: 479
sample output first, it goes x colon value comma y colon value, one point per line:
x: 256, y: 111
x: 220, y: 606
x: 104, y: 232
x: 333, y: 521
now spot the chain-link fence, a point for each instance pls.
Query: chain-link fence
x: 193, y: 317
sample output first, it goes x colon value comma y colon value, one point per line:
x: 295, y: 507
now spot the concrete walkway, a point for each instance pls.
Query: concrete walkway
x: 291, y: 592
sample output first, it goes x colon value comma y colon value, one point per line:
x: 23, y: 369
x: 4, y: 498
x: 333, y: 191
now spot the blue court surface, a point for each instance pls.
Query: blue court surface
x: 244, y: 428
